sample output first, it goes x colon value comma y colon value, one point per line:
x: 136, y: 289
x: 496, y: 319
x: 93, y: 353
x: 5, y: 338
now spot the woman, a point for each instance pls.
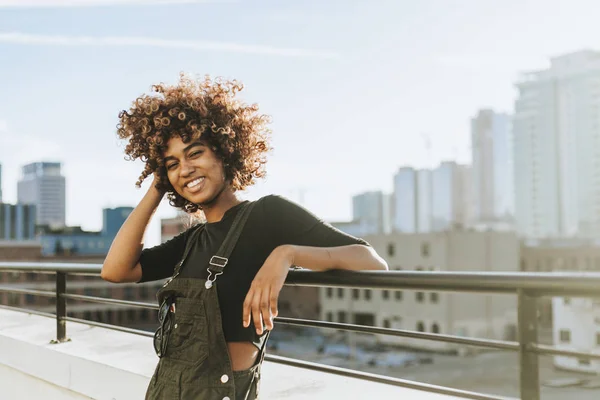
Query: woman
x: 203, y: 146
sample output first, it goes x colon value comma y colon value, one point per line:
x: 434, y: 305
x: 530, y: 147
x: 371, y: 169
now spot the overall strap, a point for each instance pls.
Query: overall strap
x: 218, y: 262
x: 188, y: 246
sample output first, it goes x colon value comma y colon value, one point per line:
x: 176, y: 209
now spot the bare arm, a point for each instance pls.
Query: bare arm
x: 261, y: 301
x: 352, y: 257
x: 122, y: 261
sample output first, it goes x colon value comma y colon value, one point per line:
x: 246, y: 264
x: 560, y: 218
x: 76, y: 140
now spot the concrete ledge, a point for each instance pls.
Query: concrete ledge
x: 104, y: 364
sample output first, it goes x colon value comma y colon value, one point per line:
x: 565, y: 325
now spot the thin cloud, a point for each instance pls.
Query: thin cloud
x: 97, y: 3
x: 198, y: 45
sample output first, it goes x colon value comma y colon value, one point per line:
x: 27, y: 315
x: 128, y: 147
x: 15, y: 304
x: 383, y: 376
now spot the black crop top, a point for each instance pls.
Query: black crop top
x: 274, y: 221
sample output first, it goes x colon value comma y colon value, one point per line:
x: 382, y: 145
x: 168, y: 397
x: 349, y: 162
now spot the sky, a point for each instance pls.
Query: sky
x: 355, y: 89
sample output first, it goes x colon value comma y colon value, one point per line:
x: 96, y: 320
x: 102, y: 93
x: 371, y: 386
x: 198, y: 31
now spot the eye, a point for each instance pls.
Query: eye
x: 195, y: 153
x: 171, y: 166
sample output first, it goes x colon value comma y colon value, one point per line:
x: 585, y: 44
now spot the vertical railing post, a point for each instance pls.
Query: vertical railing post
x: 529, y: 377
x: 61, y: 307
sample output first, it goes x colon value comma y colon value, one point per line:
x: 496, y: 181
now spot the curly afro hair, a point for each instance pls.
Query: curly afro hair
x: 194, y: 109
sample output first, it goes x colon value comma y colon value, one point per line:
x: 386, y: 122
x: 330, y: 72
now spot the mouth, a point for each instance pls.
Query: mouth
x: 195, y: 185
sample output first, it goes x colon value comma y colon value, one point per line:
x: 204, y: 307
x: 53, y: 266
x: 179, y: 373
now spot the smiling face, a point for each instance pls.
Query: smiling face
x: 195, y: 171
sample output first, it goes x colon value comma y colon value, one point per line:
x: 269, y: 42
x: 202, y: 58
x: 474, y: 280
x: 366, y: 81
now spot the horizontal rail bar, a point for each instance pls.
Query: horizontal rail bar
x: 495, y: 344
x: 383, y: 379
x: 537, y: 284
x: 50, y: 267
x: 45, y: 293
x: 552, y: 350
x: 112, y: 327
x: 28, y: 311
x: 104, y: 300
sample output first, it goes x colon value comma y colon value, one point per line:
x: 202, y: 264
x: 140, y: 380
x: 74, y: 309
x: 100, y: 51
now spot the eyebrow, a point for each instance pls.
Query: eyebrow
x: 185, y: 150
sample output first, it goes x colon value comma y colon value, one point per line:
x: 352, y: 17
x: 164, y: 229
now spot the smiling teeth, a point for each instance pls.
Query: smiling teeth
x: 194, y: 182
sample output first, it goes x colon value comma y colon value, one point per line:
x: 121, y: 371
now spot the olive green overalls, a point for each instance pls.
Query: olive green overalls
x: 196, y: 364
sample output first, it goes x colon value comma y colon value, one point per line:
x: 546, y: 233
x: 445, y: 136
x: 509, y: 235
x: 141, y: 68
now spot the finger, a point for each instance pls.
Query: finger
x: 247, y: 308
x: 273, y: 300
x: 256, y: 311
x: 265, y: 309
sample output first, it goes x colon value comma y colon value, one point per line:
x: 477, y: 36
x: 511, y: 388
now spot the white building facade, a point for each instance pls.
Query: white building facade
x: 557, y: 148
x: 452, y: 196
x: 405, y: 200
x: 464, y: 314
x: 493, y: 166
x: 368, y: 212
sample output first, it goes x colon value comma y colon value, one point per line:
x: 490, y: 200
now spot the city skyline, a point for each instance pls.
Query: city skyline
x: 359, y: 102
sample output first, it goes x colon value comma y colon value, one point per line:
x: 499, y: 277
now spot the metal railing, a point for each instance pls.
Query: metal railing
x: 528, y: 287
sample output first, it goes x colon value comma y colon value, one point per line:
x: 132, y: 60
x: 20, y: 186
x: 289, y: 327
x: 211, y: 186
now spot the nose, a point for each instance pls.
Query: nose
x: 186, y: 168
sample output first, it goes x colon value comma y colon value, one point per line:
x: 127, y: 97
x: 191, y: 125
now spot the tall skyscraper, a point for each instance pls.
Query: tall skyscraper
x: 113, y: 219
x: 424, y: 200
x: 412, y: 201
x: 367, y: 209
x: 17, y: 222
x: 557, y: 148
x: 452, y: 197
x: 43, y: 185
x: 493, y: 176
x: 405, y: 200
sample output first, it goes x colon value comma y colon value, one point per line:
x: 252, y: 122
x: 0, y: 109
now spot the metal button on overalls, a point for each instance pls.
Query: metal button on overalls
x: 196, y: 364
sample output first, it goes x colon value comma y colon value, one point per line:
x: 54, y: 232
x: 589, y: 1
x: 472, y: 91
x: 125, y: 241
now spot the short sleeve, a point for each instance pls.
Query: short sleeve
x: 158, y: 262
x: 294, y: 224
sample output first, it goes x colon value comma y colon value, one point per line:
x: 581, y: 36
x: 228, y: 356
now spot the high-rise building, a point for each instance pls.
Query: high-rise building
x: 452, y: 200
x: 493, y: 184
x: 405, y: 200
x: 367, y: 210
x: 557, y: 148
x: 17, y: 222
x: 113, y: 218
x: 424, y: 200
x: 43, y: 185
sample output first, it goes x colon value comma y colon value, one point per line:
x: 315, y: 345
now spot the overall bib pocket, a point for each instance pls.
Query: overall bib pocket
x: 187, y: 343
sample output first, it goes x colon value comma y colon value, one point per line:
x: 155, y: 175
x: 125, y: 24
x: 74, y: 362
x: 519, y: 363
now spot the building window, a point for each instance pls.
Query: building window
x: 367, y: 294
x: 385, y: 294
x: 329, y: 292
x: 355, y: 294
x: 597, y: 339
x: 565, y: 336
x: 391, y: 249
x: 340, y: 293
x: 342, y: 317
x: 330, y: 316
x: 420, y: 296
x: 435, y: 328
x: 434, y: 297
x: 425, y: 249
x: 386, y: 323
x: 398, y: 295
x: 420, y: 327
